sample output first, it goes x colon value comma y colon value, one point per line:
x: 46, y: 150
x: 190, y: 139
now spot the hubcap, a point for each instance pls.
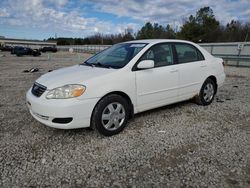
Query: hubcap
x: 113, y: 116
x: 208, y: 92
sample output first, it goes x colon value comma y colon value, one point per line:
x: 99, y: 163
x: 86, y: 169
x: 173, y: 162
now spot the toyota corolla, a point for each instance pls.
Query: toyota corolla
x: 110, y: 87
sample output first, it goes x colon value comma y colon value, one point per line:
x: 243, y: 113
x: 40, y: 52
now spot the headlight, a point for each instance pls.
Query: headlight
x: 67, y: 91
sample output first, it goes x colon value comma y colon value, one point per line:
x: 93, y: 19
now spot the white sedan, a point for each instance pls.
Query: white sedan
x: 125, y: 79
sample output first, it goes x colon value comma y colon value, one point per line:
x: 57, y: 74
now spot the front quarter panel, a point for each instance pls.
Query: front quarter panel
x: 122, y: 80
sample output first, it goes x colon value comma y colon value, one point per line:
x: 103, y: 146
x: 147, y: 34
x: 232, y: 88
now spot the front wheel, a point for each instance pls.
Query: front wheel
x: 110, y: 115
x: 207, y: 93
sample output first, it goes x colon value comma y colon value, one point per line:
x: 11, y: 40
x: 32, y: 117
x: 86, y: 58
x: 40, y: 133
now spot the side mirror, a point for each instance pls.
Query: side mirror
x: 146, y: 64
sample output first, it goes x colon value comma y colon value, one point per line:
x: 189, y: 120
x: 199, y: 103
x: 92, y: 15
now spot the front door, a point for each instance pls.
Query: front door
x: 157, y: 86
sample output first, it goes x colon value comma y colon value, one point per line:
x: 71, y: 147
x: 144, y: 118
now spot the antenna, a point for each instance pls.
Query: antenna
x: 246, y: 35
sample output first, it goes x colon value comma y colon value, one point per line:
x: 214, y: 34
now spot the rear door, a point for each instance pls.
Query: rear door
x: 157, y: 86
x: 192, y: 70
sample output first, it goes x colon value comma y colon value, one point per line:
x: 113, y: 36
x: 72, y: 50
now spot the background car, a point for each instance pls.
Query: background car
x: 20, y: 51
x: 36, y: 52
x: 6, y: 48
x: 48, y: 49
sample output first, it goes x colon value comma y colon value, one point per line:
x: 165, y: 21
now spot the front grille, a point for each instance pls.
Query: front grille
x: 38, y: 89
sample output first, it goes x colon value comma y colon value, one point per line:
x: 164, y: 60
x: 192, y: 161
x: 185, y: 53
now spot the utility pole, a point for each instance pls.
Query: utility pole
x: 240, y: 48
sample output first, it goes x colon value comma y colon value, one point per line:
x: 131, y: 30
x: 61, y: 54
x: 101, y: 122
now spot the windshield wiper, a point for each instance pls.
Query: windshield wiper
x: 88, y: 64
x: 102, y: 65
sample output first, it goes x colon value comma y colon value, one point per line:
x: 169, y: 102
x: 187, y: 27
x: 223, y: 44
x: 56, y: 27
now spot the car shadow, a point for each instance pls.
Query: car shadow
x: 91, y: 132
x: 163, y: 108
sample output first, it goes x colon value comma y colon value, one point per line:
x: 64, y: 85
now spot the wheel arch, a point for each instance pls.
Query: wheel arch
x: 212, y: 77
x: 122, y: 94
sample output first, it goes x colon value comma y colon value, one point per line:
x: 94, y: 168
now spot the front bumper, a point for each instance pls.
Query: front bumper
x: 47, y: 110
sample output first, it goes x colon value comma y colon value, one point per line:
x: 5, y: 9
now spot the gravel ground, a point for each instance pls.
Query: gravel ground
x: 181, y: 145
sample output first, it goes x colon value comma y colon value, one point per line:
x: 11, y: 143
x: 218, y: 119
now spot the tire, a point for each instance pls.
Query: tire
x: 207, y: 93
x: 110, y: 115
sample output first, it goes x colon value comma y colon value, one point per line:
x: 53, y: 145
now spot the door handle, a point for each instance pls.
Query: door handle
x: 204, y: 65
x: 174, y: 70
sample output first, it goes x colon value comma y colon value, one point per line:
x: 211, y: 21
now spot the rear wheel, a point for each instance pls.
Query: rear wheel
x: 207, y: 93
x: 110, y: 115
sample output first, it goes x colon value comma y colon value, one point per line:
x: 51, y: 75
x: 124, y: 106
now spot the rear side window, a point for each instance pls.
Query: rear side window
x: 188, y: 53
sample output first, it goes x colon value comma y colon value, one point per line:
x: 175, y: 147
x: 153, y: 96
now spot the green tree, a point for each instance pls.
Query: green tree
x: 169, y: 33
x: 127, y: 37
x: 155, y: 31
x: 146, y: 31
x: 201, y: 28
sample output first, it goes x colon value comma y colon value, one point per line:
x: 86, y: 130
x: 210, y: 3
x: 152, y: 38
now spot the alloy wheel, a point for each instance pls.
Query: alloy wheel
x: 208, y: 92
x: 113, y: 116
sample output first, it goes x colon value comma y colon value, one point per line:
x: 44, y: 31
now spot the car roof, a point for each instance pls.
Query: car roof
x: 153, y: 41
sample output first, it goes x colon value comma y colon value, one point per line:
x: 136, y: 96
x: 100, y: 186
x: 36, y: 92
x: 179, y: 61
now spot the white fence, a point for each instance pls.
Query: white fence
x: 235, y: 53
x: 83, y: 48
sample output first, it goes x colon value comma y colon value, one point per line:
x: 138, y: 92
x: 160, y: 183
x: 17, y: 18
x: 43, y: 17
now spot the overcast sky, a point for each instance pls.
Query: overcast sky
x: 40, y: 19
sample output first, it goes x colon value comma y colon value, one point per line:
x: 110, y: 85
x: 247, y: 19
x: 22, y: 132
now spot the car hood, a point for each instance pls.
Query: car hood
x: 77, y: 74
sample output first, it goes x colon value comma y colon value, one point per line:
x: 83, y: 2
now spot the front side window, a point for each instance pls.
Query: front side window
x: 187, y: 53
x: 116, y: 56
x: 161, y: 54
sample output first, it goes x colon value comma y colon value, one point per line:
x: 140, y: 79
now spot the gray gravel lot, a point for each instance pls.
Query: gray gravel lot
x: 181, y: 145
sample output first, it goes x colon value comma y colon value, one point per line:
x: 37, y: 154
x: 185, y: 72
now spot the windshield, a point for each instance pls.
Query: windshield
x: 116, y: 56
